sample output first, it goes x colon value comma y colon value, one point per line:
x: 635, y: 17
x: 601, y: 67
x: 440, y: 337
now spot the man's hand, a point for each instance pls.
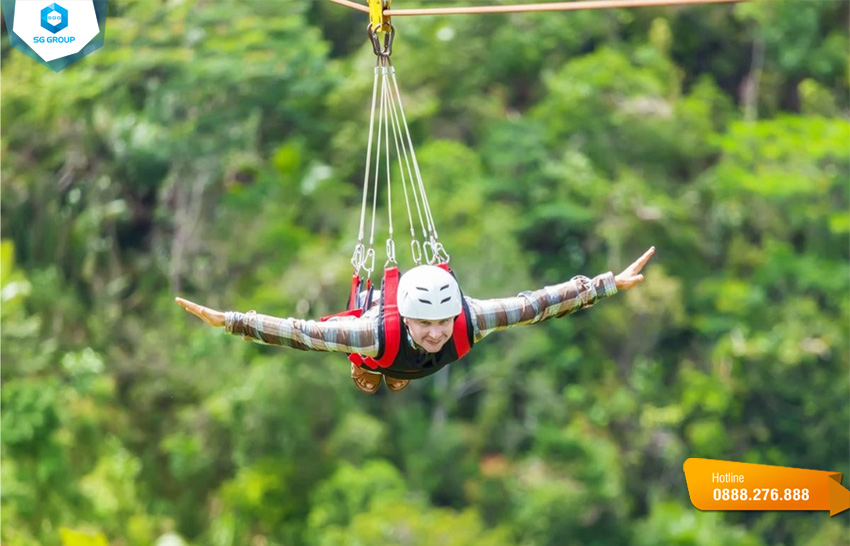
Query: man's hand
x: 210, y: 316
x: 631, y: 275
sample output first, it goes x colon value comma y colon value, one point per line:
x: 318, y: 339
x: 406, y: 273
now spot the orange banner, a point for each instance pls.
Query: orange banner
x: 727, y: 485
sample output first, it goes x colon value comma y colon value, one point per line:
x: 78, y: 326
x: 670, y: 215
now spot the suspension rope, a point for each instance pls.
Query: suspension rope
x: 386, y: 118
x: 381, y: 115
x: 401, y: 154
x: 404, y: 162
x: 427, y: 209
x: 550, y: 6
x: 437, y: 252
x: 358, y: 259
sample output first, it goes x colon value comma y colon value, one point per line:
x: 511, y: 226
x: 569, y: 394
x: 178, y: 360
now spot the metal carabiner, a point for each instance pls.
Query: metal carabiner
x: 390, y: 252
x: 369, y: 262
x: 389, y: 34
x: 429, y: 256
x: 357, y: 258
x: 441, y: 255
x: 416, y: 251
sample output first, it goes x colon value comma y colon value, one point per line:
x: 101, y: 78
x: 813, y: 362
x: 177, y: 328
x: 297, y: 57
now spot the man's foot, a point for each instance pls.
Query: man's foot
x: 396, y: 385
x: 367, y: 382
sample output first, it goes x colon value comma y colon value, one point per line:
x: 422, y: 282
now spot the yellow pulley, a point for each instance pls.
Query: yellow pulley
x: 379, y: 21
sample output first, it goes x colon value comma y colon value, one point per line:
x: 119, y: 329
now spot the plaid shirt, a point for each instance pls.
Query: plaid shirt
x: 360, y: 335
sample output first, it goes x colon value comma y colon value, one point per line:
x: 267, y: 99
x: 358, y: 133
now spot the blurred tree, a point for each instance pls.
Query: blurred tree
x: 217, y: 149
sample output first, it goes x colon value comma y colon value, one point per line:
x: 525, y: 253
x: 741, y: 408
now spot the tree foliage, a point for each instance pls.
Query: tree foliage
x: 216, y: 151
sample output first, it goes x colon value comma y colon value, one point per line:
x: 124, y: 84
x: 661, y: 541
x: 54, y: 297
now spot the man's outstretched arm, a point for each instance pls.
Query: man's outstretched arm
x: 552, y: 301
x: 345, y: 336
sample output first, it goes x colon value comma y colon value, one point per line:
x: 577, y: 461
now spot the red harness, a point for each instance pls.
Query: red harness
x: 392, y: 320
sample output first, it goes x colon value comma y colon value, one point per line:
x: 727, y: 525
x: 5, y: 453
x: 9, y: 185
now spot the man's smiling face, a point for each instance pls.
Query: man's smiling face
x: 431, y: 335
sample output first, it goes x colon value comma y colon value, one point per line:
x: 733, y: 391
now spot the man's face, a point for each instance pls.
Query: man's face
x: 431, y: 335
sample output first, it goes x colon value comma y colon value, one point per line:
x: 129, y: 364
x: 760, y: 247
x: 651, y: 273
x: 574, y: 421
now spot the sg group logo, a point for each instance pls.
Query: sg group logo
x: 54, y: 18
x: 56, y: 34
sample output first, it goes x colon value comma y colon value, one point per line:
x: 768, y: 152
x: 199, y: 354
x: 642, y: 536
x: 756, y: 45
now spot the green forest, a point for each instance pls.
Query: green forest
x: 215, y: 150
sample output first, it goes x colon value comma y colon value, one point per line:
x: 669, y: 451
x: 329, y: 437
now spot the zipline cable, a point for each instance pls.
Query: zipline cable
x: 549, y: 6
x: 353, y: 5
x: 553, y: 6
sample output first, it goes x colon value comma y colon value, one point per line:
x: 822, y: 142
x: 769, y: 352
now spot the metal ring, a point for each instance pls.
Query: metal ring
x: 416, y: 251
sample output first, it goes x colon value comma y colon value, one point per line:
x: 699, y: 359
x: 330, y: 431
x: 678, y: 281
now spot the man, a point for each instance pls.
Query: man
x: 434, y: 313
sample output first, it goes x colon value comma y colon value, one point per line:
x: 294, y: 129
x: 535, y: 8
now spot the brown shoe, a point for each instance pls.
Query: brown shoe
x: 396, y: 385
x: 367, y: 382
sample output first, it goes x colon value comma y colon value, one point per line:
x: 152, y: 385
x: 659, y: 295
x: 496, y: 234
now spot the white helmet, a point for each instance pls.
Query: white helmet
x: 428, y: 292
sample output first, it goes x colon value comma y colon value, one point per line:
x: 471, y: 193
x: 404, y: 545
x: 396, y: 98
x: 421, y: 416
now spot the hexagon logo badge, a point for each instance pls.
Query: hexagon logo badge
x: 56, y: 34
x: 54, y: 18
